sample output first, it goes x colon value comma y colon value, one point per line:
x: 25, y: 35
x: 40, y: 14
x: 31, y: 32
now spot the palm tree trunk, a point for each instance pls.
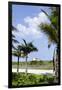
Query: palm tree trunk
x: 57, y: 64
x: 26, y: 64
x: 57, y: 71
x: 54, y: 61
x: 18, y: 65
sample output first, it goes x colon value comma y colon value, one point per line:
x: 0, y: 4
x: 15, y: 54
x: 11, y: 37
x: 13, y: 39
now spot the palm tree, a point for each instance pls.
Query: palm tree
x: 51, y: 30
x: 18, y: 54
x: 27, y: 48
x: 22, y: 51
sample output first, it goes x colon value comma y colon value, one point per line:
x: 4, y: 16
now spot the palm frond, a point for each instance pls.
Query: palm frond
x: 14, y: 28
x: 50, y: 32
x: 27, y: 47
x: 54, y: 22
x: 30, y: 44
x: 14, y: 40
x: 31, y: 47
x: 13, y: 36
x: 13, y: 46
x: 24, y: 41
x: 16, y: 53
x: 53, y: 18
x: 46, y: 14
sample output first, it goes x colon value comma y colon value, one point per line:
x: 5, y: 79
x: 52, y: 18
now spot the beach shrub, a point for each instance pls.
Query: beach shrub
x: 31, y: 79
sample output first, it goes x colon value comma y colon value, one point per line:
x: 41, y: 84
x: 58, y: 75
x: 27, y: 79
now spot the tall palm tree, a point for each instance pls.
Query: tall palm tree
x: 17, y: 53
x: 27, y: 48
x: 51, y: 30
x: 22, y: 51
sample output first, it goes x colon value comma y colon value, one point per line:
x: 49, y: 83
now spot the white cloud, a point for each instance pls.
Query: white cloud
x: 41, y: 17
x: 31, y: 26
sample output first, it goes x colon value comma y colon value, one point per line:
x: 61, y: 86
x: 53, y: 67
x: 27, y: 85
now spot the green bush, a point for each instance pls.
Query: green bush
x: 31, y: 79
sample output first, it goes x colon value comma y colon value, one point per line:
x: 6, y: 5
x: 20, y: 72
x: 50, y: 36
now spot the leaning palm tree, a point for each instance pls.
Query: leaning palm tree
x: 51, y: 30
x: 27, y: 48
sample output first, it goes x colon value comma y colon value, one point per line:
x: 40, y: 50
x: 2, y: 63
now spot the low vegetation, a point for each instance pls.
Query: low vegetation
x: 46, y: 65
x: 22, y: 79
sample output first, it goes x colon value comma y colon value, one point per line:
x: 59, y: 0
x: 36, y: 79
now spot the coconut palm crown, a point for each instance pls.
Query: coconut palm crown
x: 51, y: 30
x: 27, y: 47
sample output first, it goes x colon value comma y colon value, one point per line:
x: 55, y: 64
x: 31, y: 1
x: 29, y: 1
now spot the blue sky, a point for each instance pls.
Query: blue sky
x: 27, y: 19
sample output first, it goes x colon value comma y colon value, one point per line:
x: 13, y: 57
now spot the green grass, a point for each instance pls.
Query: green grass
x: 31, y: 79
x: 46, y: 65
